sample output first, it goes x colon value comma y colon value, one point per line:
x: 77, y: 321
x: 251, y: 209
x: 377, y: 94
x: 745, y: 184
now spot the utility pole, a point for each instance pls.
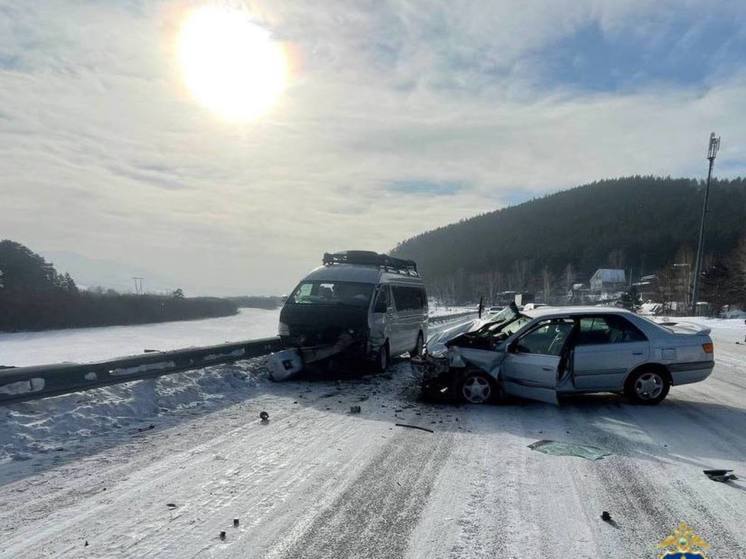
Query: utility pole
x: 138, y: 285
x: 712, y: 151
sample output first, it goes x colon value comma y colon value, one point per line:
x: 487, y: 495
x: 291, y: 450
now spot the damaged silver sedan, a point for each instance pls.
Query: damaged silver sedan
x: 547, y: 352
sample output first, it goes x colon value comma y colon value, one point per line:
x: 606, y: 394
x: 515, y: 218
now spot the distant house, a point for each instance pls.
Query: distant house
x: 607, y: 280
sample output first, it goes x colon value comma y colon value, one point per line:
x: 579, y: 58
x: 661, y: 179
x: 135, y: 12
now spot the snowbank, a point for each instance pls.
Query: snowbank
x: 723, y: 329
x: 442, y: 310
x: 73, y: 421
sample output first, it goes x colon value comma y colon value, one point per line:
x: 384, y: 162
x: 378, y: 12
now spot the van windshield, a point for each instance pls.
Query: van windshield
x: 332, y: 293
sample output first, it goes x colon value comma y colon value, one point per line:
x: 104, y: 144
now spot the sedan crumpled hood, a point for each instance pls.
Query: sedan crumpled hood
x: 436, y: 345
x: 486, y: 359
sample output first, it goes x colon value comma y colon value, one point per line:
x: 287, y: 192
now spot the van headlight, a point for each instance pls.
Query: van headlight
x: 283, y: 329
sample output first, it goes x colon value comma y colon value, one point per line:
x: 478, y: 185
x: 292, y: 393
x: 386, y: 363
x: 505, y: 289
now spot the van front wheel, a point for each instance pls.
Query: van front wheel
x: 419, y: 348
x: 382, y: 361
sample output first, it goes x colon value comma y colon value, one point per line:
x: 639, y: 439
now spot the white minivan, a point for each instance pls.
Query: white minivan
x: 372, y: 305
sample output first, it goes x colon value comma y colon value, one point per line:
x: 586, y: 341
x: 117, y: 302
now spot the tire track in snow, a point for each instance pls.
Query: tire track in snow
x: 375, y: 516
x: 642, y: 481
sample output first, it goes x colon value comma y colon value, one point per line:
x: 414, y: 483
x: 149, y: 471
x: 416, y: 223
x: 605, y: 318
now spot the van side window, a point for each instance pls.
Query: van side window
x: 382, y: 300
x: 408, y: 298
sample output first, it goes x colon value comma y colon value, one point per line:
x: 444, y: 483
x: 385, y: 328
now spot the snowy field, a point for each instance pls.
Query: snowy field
x: 729, y: 330
x: 80, y: 345
x: 318, y: 481
x: 94, y: 344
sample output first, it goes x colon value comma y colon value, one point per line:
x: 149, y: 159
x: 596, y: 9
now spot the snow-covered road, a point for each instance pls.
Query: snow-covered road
x: 317, y: 481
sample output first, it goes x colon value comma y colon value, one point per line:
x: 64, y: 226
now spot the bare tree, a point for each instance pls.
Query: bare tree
x: 569, y: 275
x: 616, y: 258
x: 546, y: 277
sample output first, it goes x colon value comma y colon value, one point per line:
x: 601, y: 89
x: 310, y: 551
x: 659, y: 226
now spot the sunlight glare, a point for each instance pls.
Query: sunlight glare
x: 230, y: 64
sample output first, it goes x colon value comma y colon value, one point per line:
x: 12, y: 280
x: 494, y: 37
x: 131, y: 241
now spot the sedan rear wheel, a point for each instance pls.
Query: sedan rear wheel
x: 477, y: 388
x: 647, y: 386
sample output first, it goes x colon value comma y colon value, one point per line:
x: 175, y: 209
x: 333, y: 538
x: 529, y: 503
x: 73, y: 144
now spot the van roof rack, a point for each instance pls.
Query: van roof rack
x: 370, y: 258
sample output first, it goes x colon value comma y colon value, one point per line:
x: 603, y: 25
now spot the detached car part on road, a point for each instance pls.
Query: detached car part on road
x: 547, y: 352
x: 359, y: 305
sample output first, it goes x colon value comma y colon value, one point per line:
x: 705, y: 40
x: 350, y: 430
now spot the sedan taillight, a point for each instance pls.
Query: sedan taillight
x: 708, y: 347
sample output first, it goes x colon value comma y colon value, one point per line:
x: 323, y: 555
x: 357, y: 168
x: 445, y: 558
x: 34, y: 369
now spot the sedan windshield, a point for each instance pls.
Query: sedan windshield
x: 499, y: 322
x: 514, y: 326
x: 505, y: 314
x: 332, y: 293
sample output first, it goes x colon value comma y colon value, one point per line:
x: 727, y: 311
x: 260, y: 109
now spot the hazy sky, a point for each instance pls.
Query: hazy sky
x: 398, y: 116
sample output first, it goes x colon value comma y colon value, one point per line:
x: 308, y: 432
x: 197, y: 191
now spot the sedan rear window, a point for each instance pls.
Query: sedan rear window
x: 596, y: 330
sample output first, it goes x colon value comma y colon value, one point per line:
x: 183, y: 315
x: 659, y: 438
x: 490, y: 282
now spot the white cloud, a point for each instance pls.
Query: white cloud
x: 104, y: 153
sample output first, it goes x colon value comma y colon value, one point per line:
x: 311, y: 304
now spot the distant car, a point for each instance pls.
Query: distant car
x: 551, y: 351
x: 533, y: 306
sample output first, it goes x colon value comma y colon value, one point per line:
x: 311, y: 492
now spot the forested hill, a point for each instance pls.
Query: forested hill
x: 34, y: 296
x: 636, y: 223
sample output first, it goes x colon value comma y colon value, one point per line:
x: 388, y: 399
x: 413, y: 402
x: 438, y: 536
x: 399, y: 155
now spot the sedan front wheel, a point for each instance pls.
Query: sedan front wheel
x: 477, y: 388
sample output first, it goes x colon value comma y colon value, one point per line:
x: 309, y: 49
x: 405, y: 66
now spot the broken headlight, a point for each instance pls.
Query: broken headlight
x: 455, y: 359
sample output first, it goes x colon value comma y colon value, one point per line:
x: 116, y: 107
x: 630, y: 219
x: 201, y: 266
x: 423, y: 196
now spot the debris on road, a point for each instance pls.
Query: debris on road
x: 606, y: 517
x: 720, y: 475
x: 414, y: 427
x: 235, y: 522
x: 171, y: 505
x: 354, y: 409
x: 148, y: 428
x: 222, y: 534
x: 556, y: 448
x: 264, y: 416
x: 284, y: 364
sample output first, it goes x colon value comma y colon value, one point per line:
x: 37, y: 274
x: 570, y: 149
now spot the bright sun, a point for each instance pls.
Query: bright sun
x: 230, y: 64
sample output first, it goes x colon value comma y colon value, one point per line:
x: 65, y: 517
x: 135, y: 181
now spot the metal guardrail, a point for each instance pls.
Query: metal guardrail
x: 18, y: 384
x: 30, y: 383
x: 450, y: 317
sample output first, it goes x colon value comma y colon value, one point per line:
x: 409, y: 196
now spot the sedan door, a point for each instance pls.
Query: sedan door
x: 607, y: 347
x: 534, y: 362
